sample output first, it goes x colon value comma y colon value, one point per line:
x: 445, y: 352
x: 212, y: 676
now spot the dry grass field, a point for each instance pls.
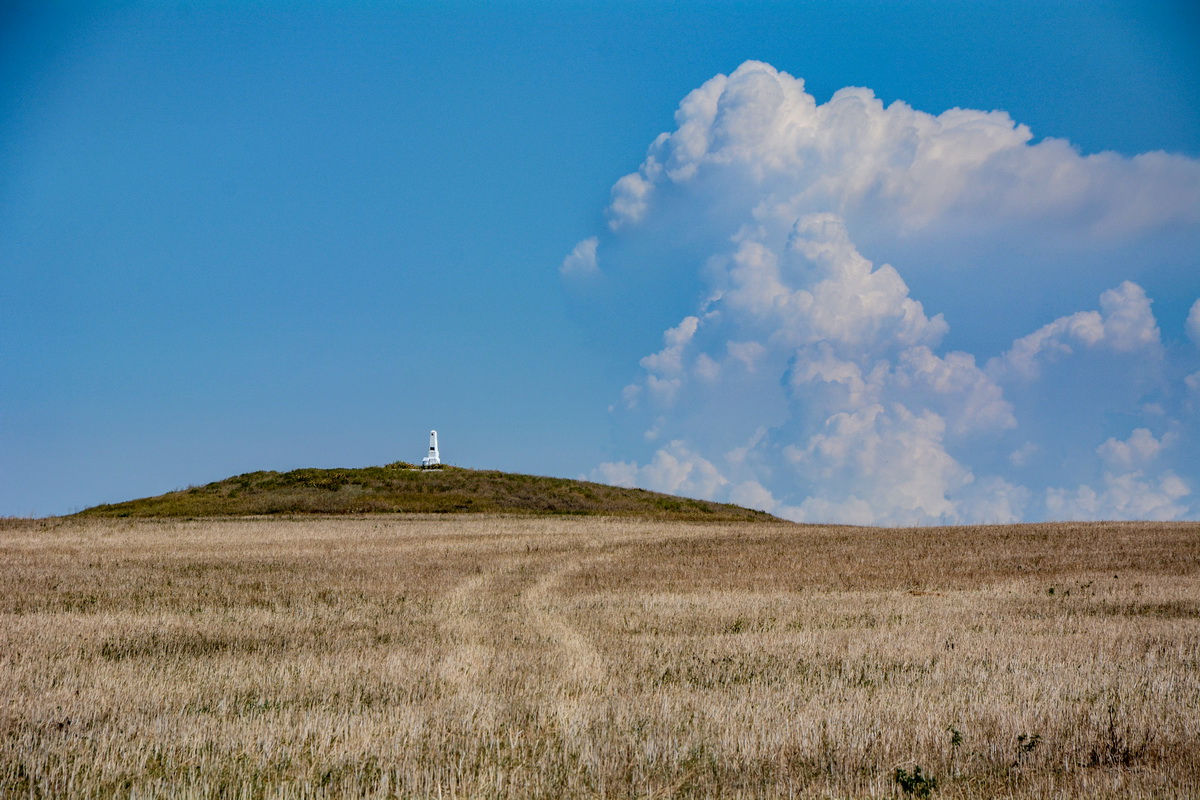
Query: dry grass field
x: 509, y: 657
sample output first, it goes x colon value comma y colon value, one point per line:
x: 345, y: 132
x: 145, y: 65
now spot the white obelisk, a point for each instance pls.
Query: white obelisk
x: 433, y: 459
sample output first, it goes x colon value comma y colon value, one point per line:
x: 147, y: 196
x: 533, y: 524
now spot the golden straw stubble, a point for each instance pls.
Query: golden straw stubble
x: 517, y: 657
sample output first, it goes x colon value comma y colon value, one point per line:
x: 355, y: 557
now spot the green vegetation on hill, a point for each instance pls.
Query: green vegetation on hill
x: 400, y: 488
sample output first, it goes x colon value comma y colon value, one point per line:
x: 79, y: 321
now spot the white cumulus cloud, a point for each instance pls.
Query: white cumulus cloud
x: 674, y: 469
x: 1124, y: 324
x: 1139, y: 449
x: 1129, y: 495
x: 582, y: 260
x: 806, y: 379
x: 760, y: 126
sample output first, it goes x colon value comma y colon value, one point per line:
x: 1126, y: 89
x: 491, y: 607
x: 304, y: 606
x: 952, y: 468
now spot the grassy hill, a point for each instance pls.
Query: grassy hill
x: 399, y: 487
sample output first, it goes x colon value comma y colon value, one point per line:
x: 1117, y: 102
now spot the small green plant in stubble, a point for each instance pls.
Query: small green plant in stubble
x: 956, y: 738
x: 915, y: 783
x: 1026, y: 744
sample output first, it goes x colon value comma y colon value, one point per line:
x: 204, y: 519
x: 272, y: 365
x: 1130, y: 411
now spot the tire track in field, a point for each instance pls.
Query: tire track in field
x: 467, y: 664
x: 579, y: 670
x: 509, y: 642
x: 546, y: 614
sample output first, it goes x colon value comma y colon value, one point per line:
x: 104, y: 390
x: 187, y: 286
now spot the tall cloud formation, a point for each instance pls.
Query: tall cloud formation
x: 807, y: 380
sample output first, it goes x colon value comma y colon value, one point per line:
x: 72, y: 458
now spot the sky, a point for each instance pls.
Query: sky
x: 897, y: 263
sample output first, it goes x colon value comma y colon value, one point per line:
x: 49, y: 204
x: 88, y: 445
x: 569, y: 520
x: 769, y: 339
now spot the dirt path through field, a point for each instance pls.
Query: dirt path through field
x: 509, y: 635
x: 467, y: 665
x: 580, y: 671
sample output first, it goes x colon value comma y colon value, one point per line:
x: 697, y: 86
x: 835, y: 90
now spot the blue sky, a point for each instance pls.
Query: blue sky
x: 239, y: 236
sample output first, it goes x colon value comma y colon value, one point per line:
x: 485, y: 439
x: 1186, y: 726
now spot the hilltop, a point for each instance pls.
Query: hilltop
x: 401, y: 488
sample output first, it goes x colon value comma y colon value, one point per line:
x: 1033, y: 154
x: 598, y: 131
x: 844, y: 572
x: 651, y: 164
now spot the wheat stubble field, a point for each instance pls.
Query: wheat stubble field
x: 477, y: 656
